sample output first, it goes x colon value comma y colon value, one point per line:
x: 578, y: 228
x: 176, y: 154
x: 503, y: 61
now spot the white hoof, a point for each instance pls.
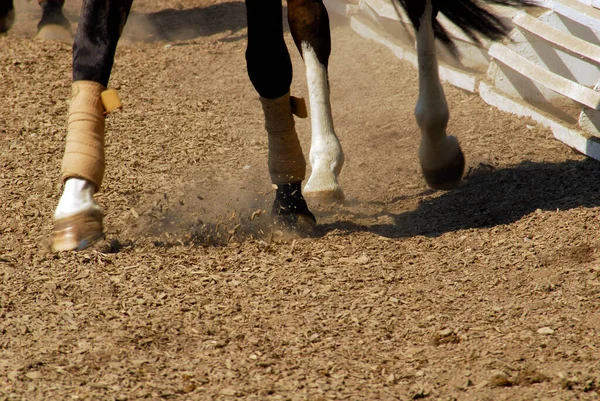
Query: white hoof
x: 323, y: 186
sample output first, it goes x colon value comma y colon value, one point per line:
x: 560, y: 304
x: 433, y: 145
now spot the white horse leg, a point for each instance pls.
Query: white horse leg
x: 441, y: 158
x: 309, y: 24
x: 326, y: 156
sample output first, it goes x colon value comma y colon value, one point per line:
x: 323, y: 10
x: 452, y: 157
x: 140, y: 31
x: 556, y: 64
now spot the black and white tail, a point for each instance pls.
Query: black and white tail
x: 471, y: 16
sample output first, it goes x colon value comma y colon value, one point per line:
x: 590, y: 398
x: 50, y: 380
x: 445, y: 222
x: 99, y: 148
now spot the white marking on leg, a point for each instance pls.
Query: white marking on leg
x: 77, y: 197
x: 437, y: 149
x: 326, y: 156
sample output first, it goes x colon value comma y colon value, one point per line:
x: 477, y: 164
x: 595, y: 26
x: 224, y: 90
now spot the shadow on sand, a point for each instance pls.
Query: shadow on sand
x: 487, y: 198
x: 186, y: 24
x: 490, y: 197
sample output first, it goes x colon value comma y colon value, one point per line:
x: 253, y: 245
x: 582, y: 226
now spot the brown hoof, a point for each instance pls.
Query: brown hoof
x: 325, y: 197
x: 54, y: 32
x: 447, y: 177
x: 77, y: 232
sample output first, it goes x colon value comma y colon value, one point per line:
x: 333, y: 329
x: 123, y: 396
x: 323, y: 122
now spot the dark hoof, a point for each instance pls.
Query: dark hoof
x: 7, y: 20
x: 54, y: 25
x: 291, y: 210
x: 447, y: 177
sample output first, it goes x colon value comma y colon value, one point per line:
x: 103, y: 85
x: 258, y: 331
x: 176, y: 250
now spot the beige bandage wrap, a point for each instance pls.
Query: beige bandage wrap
x: 84, y: 151
x: 286, y: 161
x: 299, y: 107
x: 110, y: 101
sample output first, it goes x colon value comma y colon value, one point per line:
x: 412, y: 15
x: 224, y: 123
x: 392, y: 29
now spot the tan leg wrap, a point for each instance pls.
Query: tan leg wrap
x: 286, y: 161
x: 84, y: 151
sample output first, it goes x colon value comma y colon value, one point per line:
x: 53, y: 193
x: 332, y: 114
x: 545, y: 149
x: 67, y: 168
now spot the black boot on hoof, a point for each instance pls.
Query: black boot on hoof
x: 447, y: 177
x: 291, y: 210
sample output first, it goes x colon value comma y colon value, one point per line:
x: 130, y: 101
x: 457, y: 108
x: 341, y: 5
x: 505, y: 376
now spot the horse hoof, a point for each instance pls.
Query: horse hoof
x: 7, y: 21
x: 296, y: 223
x: 290, y: 208
x: 77, y: 232
x: 54, y: 32
x: 325, y: 197
x: 447, y: 177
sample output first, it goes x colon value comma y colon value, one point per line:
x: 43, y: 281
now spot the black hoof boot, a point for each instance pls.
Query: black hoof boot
x: 7, y: 15
x: 291, y: 209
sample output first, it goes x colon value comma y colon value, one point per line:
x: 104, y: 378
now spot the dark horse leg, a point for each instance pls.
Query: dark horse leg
x: 53, y: 25
x: 78, y: 218
x: 270, y: 71
x: 7, y: 15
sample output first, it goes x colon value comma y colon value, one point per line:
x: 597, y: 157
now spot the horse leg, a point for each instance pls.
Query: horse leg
x: 7, y: 15
x: 442, y: 160
x: 270, y: 71
x: 78, y: 218
x: 53, y: 25
x: 309, y: 24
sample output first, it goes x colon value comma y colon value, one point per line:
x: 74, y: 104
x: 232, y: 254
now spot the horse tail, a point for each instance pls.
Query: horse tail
x: 471, y: 16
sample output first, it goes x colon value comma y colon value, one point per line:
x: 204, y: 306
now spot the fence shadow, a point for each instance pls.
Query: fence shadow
x: 491, y: 197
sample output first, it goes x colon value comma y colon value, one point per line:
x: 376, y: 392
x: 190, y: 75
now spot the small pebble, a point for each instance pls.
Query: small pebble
x: 545, y: 330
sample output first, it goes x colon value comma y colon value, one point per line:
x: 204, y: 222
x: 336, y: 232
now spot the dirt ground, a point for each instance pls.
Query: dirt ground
x: 487, y: 292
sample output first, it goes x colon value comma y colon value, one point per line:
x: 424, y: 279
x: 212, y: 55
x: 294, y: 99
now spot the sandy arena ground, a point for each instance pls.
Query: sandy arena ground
x: 487, y: 292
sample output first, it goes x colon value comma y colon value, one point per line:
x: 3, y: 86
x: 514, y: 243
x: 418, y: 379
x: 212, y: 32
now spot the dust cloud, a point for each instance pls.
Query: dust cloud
x: 211, y: 214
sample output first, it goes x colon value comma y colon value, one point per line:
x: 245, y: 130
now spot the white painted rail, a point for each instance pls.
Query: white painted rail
x: 562, y: 40
x: 550, y: 80
x: 576, y: 11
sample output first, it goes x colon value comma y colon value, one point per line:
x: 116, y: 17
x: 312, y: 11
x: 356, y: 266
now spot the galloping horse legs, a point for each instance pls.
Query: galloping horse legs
x: 309, y: 24
x: 270, y: 71
x: 441, y: 158
x: 78, y: 219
